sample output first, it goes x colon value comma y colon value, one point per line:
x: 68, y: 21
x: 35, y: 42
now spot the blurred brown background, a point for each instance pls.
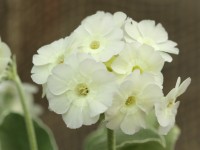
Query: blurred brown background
x: 27, y: 25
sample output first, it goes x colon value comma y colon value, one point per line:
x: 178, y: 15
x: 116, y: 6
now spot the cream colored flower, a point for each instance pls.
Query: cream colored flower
x: 99, y: 36
x: 80, y: 90
x: 147, y: 32
x: 142, y: 58
x: 50, y: 56
x: 132, y: 103
x: 5, y: 55
x: 166, y: 109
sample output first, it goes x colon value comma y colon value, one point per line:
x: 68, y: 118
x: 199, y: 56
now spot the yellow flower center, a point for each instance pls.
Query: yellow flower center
x: 137, y: 68
x: 130, y: 101
x: 82, y: 89
x: 170, y: 103
x: 94, y: 45
x: 60, y: 59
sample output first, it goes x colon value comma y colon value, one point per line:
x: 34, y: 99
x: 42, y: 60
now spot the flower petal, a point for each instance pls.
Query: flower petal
x: 114, y: 122
x: 132, y: 30
x: 96, y: 108
x: 132, y: 123
x: 59, y: 104
x: 183, y: 87
x: 73, y: 117
x: 40, y: 74
x: 59, y: 81
x: 149, y: 30
x: 87, y: 119
x: 149, y: 96
x: 119, y: 18
x: 166, y: 56
x: 169, y: 47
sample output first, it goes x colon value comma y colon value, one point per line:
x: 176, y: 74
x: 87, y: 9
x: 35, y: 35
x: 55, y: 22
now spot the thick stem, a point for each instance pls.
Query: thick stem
x: 111, y: 140
x: 27, y: 116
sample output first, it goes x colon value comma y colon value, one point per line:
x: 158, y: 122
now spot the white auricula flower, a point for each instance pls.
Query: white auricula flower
x: 147, y: 32
x: 142, y: 58
x: 5, y: 55
x: 80, y: 90
x: 132, y: 103
x: 99, y: 36
x: 166, y: 109
x: 50, y: 56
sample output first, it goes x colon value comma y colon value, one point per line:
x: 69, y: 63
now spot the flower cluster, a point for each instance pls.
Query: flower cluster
x: 110, y: 65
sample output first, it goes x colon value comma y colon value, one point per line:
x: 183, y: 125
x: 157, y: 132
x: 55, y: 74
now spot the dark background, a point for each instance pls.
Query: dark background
x: 26, y: 25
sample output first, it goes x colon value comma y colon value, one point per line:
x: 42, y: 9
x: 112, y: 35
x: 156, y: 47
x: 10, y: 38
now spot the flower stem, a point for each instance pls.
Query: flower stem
x: 111, y: 140
x: 27, y: 116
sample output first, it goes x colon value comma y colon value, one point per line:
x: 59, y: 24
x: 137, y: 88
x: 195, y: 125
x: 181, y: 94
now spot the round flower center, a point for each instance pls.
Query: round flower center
x: 94, y: 45
x: 130, y: 101
x: 137, y: 68
x: 170, y: 103
x: 60, y: 59
x: 82, y: 89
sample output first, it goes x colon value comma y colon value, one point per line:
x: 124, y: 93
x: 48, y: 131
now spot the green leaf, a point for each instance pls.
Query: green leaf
x: 171, y: 139
x: 143, y: 140
x: 13, y: 135
x: 143, y: 136
x: 98, y: 139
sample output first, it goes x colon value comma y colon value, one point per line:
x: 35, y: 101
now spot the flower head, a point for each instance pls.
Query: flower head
x: 135, y: 98
x: 80, y: 89
x: 5, y: 55
x: 48, y: 57
x: 147, y: 32
x: 100, y: 36
x: 166, y: 109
